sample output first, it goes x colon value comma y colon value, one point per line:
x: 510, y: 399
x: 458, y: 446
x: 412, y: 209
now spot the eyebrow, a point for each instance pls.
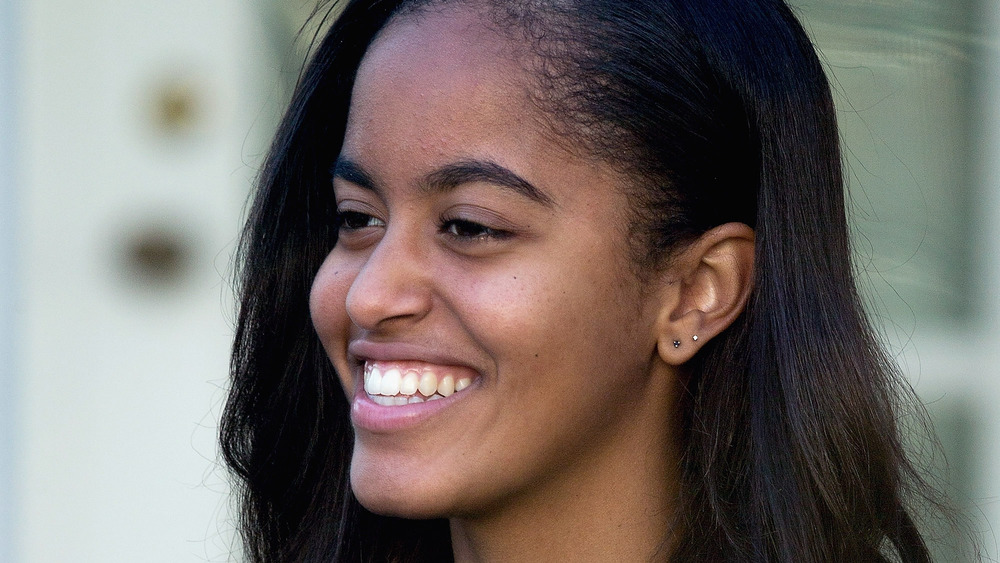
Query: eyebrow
x: 350, y: 171
x: 451, y: 176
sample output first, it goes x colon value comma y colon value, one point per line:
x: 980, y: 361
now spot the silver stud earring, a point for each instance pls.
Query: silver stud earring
x: 695, y: 338
x: 677, y: 343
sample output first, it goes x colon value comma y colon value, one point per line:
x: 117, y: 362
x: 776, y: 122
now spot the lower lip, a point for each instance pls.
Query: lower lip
x: 373, y: 417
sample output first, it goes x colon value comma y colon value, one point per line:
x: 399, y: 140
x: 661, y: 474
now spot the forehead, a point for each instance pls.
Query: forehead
x: 454, y: 38
x: 436, y: 77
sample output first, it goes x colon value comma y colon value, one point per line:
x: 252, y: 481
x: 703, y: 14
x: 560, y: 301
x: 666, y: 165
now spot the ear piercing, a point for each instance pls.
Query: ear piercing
x: 677, y: 343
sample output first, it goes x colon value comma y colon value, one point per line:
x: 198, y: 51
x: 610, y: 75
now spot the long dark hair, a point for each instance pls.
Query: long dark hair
x: 720, y: 111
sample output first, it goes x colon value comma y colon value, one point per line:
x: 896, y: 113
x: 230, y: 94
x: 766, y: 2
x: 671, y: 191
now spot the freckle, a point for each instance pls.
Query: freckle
x: 536, y: 355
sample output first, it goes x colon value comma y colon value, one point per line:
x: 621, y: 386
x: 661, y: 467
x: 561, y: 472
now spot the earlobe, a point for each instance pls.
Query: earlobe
x: 705, y: 290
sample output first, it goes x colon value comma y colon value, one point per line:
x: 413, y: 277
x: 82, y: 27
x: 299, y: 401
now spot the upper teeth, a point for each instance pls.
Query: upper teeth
x: 407, y: 382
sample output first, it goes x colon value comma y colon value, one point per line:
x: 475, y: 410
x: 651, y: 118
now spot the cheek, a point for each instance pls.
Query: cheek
x: 327, y: 299
x: 572, y: 358
x: 551, y: 311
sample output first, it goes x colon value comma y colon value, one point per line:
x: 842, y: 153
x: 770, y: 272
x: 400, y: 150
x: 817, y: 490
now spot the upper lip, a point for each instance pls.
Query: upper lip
x: 362, y: 350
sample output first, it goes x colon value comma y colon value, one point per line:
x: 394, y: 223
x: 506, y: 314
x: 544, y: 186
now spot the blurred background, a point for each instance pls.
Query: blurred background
x: 130, y: 134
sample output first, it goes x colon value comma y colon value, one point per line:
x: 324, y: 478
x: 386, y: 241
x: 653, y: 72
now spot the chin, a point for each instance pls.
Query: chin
x: 386, y: 493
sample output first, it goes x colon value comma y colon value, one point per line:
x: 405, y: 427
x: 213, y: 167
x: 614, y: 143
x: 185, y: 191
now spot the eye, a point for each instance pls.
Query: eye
x: 464, y: 229
x: 355, y: 220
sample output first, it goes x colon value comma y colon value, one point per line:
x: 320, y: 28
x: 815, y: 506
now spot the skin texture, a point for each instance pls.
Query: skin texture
x: 571, y: 412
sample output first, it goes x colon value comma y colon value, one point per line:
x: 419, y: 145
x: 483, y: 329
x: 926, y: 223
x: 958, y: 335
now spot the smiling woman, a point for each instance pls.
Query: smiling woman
x: 561, y: 280
x: 481, y: 258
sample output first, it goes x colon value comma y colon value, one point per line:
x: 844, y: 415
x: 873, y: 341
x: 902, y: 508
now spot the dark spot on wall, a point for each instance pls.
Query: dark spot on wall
x: 156, y: 256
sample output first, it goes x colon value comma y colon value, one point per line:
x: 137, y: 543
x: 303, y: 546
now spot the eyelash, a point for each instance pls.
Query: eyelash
x: 344, y: 219
x: 459, y: 229
x: 454, y: 228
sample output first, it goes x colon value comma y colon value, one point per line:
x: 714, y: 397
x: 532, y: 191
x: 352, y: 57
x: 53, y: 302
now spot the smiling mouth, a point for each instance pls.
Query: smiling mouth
x: 392, y: 384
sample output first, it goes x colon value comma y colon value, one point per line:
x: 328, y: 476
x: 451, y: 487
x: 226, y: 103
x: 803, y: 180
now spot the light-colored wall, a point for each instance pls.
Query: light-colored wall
x: 8, y: 297
x: 985, y: 379
x: 141, y: 126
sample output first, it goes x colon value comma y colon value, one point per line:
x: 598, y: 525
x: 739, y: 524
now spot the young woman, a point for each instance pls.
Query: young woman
x: 561, y: 280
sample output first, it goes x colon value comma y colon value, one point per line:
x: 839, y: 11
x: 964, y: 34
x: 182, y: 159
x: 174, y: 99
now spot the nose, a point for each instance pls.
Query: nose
x: 393, y: 285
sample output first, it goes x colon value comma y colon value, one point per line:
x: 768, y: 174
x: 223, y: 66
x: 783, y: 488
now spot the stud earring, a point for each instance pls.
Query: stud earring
x: 695, y: 338
x: 677, y: 343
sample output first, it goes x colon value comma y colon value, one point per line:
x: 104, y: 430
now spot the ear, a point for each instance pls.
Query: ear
x: 705, y: 288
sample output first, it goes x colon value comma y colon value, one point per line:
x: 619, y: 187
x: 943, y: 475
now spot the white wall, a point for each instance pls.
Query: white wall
x: 8, y: 297
x: 985, y: 377
x: 140, y: 121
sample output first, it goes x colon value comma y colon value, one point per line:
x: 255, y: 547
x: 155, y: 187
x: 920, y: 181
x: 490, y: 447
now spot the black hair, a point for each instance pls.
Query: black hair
x: 721, y: 112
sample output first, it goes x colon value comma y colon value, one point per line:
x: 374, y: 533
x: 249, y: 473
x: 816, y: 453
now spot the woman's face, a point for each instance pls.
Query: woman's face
x: 481, y: 272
